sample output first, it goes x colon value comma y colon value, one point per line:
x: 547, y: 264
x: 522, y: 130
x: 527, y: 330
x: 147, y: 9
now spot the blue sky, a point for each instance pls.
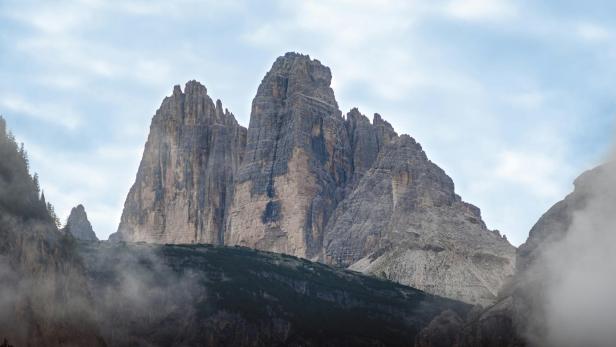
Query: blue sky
x: 512, y: 98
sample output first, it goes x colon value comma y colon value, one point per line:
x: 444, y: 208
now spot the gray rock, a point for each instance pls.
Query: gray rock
x: 79, y: 226
x: 184, y: 185
x: 405, y: 222
x: 296, y: 163
x: 366, y: 140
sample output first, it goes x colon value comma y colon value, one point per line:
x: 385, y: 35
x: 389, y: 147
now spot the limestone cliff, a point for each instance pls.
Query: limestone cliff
x: 296, y: 162
x: 185, y: 180
x: 405, y: 222
x: 79, y: 226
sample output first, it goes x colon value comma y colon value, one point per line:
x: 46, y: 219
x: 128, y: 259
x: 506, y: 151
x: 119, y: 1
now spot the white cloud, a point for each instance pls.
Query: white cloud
x: 534, y: 171
x: 62, y: 115
x: 592, y: 32
x: 481, y: 9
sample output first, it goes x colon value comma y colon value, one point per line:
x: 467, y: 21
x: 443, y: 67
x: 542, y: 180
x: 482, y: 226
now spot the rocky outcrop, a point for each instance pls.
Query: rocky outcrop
x: 306, y: 181
x: 296, y: 163
x: 404, y: 222
x: 184, y: 185
x: 79, y: 226
x: 366, y: 140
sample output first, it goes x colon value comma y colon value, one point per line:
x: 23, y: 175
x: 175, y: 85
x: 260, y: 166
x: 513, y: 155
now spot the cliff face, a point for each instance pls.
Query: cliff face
x: 404, y: 222
x: 306, y: 181
x: 295, y: 164
x: 79, y: 226
x: 185, y: 180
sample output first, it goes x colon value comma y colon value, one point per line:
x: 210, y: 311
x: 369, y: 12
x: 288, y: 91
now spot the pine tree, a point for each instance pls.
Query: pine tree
x: 24, y: 156
x: 35, y: 180
x: 52, y: 214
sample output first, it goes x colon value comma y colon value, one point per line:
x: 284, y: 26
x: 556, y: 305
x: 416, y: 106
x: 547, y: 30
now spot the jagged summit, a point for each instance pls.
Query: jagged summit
x: 79, y: 226
x: 185, y: 180
x: 299, y: 180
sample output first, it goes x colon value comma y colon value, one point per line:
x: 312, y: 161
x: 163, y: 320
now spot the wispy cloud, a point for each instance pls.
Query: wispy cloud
x: 491, y: 10
x: 62, y: 115
x: 592, y: 32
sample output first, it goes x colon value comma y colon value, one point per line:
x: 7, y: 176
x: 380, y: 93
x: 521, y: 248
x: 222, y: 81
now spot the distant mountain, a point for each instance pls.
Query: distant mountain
x: 79, y: 226
x: 304, y: 180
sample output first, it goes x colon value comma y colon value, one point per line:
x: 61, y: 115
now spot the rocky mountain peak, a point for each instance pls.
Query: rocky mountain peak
x: 79, y: 226
x: 305, y: 181
x: 185, y: 180
x: 294, y: 76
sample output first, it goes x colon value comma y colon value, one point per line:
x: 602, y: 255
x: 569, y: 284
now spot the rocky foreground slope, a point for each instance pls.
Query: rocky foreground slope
x: 307, y: 181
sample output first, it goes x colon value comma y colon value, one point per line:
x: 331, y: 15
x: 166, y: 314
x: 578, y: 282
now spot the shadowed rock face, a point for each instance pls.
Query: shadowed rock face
x: 79, y: 226
x: 306, y: 181
x: 185, y: 180
x: 405, y: 222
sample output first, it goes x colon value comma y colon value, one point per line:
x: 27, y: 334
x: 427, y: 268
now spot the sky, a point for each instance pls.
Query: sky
x: 513, y: 99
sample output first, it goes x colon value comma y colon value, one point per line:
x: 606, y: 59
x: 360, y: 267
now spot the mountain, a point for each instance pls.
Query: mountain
x: 185, y: 181
x: 195, y: 295
x: 79, y: 226
x: 44, y: 299
x: 307, y: 181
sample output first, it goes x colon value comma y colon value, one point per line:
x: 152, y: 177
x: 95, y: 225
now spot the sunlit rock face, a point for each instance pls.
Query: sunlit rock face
x: 305, y: 180
x: 79, y: 226
x: 185, y: 180
x: 296, y: 163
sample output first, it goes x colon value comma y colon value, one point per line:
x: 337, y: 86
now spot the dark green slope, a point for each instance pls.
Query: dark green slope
x: 205, y: 295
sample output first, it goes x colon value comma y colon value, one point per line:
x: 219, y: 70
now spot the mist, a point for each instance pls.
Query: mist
x: 577, y: 302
